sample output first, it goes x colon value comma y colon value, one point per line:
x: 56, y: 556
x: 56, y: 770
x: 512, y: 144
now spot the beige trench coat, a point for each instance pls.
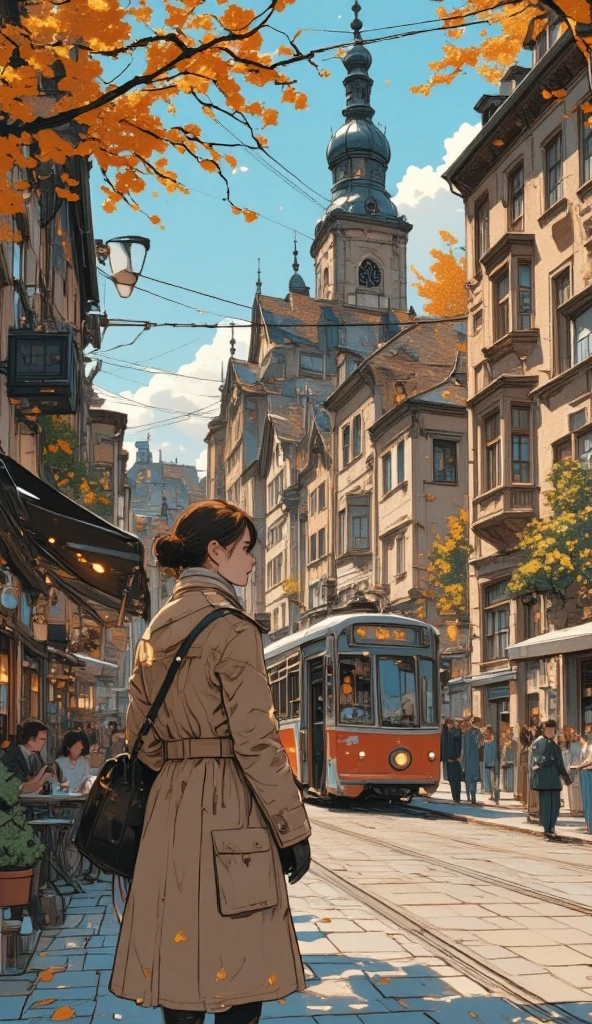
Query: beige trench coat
x: 206, y: 928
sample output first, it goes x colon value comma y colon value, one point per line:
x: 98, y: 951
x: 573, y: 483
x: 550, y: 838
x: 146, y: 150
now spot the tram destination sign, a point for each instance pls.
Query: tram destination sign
x: 381, y: 634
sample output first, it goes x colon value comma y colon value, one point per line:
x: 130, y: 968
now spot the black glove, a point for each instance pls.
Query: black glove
x: 295, y: 860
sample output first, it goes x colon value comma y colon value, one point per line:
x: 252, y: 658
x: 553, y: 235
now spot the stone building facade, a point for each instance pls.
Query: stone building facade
x: 331, y: 384
x: 526, y: 180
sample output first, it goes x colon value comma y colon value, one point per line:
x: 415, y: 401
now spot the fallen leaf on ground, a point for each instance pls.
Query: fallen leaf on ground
x: 325, y: 920
x: 282, y: 1001
x: 42, y: 1002
x: 221, y: 975
x: 147, y: 972
x: 63, y: 1013
x: 180, y: 937
x: 384, y: 981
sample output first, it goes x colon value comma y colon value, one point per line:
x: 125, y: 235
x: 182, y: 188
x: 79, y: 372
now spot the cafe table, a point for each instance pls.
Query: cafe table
x: 49, y: 818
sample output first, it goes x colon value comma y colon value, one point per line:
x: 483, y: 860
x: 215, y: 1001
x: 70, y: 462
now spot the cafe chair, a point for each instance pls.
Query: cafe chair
x: 55, y: 834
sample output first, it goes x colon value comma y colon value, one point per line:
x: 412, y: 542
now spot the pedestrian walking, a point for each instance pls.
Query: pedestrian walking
x: 444, y: 747
x: 547, y: 770
x: 207, y: 924
x: 489, y: 761
x: 525, y: 739
x: 453, y: 755
x: 470, y: 758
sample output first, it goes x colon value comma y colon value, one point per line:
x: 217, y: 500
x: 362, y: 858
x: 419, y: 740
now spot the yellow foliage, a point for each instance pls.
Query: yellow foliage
x: 448, y: 568
x: 445, y: 291
x: 119, y: 71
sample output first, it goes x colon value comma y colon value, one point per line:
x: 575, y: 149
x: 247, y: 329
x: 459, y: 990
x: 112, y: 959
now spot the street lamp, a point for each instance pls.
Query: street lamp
x: 126, y: 257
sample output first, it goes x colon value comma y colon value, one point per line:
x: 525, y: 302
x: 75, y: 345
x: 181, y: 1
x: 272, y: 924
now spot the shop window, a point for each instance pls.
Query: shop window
x: 516, y: 198
x: 357, y: 436
x: 445, y: 461
x: 481, y: 231
x: 520, y: 445
x: 387, y: 473
x: 355, y: 690
x: 492, y: 451
x: 497, y: 621
x: 553, y: 171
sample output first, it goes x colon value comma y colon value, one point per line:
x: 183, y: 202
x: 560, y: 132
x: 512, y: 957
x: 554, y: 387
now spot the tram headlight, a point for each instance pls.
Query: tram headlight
x: 432, y: 755
x: 400, y: 759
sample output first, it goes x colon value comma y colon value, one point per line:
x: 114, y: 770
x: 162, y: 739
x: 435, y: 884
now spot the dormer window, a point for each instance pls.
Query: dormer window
x: 369, y: 274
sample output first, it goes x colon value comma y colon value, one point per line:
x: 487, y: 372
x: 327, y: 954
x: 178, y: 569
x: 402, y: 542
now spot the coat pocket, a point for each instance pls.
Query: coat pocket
x: 245, y: 870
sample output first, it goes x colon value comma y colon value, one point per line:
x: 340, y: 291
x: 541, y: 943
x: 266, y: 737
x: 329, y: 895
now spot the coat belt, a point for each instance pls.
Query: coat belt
x: 180, y: 750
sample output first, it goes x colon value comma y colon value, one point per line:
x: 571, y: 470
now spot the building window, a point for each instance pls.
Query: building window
x: 586, y: 144
x: 387, y: 559
x: 357, y: 436
x: 341, y: 535
x: 561, y: 290
x: 531, y: 617
x: 477, y: 321
x: 274, y: 571
x: 553, y: 171
x: 577, y: 420
x: 516, y: 198
x: 274, y: 490
x: 345, y: 445
x: 313, y: 547
x: 322, y: 500
x: 481, y: 231
x: 585, y: 449
x: 322, y: 547
x: 312, y: 366
x: 562, y: 451
x: 524, y: 296
x: 401, y: 462
x: 369, y: 274
x: 520, y: 446
x: 445, y: 467
x: 400, y: 554
x: 313, y: 502
x: 387, y: 473
x: 582, y: 336
x: 497, y: 621
x: 314, y: 595
x: 501, y: 286
x: 492, y: 451
x: 276, y: 618
x: 359, y: 525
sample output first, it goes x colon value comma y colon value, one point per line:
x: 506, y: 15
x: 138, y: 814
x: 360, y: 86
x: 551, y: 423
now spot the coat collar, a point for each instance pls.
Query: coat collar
x: 202, y: 579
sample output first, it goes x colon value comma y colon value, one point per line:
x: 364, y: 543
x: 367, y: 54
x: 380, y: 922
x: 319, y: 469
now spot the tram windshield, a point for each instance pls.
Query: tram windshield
x: 397, y: 688
x: 355, y: 690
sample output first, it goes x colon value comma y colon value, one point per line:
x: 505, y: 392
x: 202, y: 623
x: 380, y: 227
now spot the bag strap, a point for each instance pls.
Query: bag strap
x: 174, y: 668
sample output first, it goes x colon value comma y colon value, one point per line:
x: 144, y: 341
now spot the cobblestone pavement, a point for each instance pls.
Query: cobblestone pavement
x: 383, y: 940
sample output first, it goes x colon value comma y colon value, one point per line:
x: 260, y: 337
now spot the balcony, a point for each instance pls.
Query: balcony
x: 43, y: 368
x: 500, y: 515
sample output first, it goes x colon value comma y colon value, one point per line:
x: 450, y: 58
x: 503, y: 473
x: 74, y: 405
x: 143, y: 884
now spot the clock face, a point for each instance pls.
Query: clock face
x: 369, y: 275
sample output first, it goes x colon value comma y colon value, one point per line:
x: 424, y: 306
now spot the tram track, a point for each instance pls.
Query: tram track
x: 469, y: 964
x: 471, y: 873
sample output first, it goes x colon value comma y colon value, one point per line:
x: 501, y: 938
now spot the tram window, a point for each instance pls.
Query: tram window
x: 279, y: 698
x: 398, y: 698
x: 355, y: 692
x: 293, y: 694
x: 428, y: 691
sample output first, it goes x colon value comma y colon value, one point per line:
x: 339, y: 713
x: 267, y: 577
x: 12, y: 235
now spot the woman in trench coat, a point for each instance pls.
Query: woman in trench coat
x: 207, y: 925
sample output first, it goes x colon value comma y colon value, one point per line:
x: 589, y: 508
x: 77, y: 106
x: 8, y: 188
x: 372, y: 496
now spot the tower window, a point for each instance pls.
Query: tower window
x: 369, y: 275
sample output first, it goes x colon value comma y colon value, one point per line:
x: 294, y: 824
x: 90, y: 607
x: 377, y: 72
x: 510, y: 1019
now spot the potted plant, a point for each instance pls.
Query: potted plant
x: 20, y: 849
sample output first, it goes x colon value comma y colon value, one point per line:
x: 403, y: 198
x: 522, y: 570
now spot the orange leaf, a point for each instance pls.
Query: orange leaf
x: 498, y: 142
x: 180, y: 937
x: 42, y: 1002
x: 63, y: 1013
x: 147, y: 972
x: 272, y: 979
x: 221, y: 975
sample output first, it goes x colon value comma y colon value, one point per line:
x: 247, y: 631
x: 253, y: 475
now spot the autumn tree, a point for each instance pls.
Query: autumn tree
x: 445, y: 292
x: 448, y: 568
x: 503, y: 27
x: 130, y: 85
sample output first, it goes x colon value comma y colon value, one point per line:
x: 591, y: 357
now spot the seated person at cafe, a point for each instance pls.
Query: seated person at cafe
x: 72, y: 766
x: 24, y: 759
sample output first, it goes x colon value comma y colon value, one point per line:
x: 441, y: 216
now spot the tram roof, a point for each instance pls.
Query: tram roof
x: 323, y: 626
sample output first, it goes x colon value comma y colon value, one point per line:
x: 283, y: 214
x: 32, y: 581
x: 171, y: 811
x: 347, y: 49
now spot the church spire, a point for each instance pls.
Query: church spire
x: 356, y: 24
x: 259, y: 283
x: 295, y: 265
x: 297, y: 284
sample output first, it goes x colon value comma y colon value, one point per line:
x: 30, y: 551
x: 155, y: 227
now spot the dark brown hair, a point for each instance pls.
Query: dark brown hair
x: 187, y: 545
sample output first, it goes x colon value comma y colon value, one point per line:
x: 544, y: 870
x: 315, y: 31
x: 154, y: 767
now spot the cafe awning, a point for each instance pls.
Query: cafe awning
x: 44, y: 534
x: 559, y: 641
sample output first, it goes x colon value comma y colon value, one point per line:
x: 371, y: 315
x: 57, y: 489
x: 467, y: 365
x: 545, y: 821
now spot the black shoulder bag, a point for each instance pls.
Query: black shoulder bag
x: 112, y: 819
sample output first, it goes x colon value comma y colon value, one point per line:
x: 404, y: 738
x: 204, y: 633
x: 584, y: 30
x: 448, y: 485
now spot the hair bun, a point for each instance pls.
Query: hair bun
x: 169, y: 552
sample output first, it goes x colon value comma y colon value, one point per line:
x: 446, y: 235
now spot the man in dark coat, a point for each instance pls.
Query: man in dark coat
x: 24, y: 759
x: 453, y: 754
x: 547, y: 770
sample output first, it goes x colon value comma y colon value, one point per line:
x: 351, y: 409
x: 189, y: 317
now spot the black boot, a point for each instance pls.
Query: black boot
x: 182, y: 1016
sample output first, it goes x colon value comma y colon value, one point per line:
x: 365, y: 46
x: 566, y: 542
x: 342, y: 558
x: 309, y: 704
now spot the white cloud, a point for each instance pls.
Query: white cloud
x: 425, y: 182
x: 426, y: 200
x: 166, y: 397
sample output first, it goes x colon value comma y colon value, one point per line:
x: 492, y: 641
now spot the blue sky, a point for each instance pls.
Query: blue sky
x: 206, y: 247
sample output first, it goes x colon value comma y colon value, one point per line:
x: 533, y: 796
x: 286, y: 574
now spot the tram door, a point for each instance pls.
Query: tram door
x: 316, y: 704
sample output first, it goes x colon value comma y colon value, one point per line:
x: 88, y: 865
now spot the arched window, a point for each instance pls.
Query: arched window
x: 369, y: 274
x: 326, y: 294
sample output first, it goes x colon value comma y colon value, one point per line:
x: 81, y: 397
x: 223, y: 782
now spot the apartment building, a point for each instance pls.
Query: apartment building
x: 526, y: 181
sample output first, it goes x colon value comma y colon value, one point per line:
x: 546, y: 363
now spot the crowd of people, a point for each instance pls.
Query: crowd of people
x: 83, y: 750
x: 551, y: 766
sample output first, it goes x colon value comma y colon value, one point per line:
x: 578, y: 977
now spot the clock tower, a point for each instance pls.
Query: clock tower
x: 360, y: 244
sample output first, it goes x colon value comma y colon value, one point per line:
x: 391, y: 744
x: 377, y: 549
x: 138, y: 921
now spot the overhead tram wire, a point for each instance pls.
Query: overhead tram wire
x: 140, y: 384
x: 415, y: 24
x: 179, y: 419
x: 289, y: 324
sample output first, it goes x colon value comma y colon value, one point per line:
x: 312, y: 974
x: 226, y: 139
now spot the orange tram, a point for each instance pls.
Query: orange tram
x: 357, y: 698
